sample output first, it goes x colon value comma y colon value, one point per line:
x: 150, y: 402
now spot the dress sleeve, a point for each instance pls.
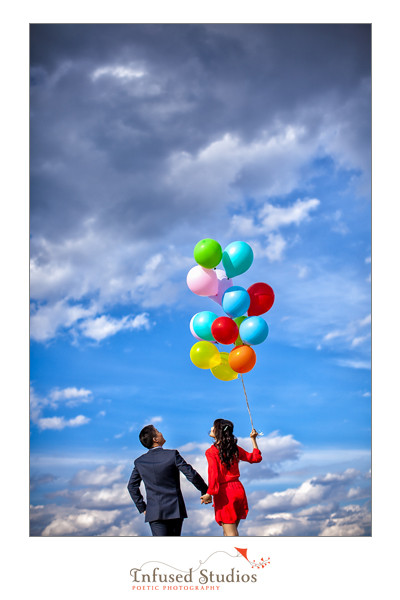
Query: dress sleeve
x: 213, y: 485
x: 251, y: 457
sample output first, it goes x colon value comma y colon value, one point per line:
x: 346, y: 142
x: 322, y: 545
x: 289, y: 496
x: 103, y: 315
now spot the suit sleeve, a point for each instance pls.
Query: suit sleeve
x: 213, y: 484
x: 251, y: 457
x: 190, y: 474
x: 133, y: 487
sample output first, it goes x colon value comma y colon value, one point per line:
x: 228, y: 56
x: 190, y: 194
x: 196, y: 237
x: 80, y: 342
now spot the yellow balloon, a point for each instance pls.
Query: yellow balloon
x: 205, y: 355
x: 223, y: 371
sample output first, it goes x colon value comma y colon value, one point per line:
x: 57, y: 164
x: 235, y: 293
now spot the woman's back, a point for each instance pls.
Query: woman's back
x: 220, y: 473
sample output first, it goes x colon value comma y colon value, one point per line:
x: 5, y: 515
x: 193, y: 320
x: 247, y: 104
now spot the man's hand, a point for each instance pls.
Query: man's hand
x: 206, y: 499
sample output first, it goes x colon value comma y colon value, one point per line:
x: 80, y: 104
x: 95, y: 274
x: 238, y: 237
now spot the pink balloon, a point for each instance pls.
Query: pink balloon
x: 203, y: 282
x: 223, y: 284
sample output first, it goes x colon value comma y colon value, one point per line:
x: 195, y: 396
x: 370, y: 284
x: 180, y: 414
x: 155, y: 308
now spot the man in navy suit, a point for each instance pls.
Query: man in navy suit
x: 159, y: 470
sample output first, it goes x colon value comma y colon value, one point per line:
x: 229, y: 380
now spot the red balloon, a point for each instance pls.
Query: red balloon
x: 224, y: 330
x: 261, y: 299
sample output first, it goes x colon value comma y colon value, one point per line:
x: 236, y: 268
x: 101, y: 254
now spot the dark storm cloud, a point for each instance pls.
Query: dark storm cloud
x: 101, y: 142
x: 147, y: 137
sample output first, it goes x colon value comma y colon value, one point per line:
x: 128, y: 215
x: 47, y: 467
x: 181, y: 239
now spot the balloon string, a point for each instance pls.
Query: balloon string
x: 247, y: 402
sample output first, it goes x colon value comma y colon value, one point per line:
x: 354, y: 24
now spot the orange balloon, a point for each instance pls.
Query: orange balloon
x: 242, y: 359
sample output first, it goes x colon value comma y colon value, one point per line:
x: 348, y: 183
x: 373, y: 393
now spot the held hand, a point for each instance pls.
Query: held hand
x: 206, y: 499
x: 253, y: 434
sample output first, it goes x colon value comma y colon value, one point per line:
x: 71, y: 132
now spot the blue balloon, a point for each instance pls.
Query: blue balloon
x: 202, y: 325
x: 237, y: 258
x: 235, y: 301
x: 254, y: 330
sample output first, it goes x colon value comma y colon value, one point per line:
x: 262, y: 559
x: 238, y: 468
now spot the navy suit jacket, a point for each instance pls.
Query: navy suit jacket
x: 159, y: 469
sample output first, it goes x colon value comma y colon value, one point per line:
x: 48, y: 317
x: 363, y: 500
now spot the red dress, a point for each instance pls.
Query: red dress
x: 230, y: 502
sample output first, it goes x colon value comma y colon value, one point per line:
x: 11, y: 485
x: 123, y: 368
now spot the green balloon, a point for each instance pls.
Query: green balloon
x: 207, y: 253
x: 239, y: 321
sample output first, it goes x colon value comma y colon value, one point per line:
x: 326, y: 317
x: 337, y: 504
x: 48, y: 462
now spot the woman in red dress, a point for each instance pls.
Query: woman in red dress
x: 230, y: 502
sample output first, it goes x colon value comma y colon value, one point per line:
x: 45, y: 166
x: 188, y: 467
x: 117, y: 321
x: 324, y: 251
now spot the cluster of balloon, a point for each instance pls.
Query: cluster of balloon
x: 242, y: 324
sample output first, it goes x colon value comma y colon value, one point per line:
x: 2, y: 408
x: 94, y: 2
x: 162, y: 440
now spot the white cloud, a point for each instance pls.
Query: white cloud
x: 275, y: 217
x: 191, y: 446
x: 270, y: 218
x: 112, y: 273
x: 101, y: 476
x: 303, y: 272
x: 275, y: 247
x: 276, y: 448
x: 365, y: 321
x: 265, y: 224
x: 204, y: 519
x: 161, y: 279
x: 320, y: 520
x: 105, y: 326
x: 281, y: 524
x: 354, y: 333
x: 46, y: 320
x: 333, y: 334
x: 124, y: 72
x: 59, y: 423
x: 113, y: 496
x: 311, y: 491
x: 82, y: 522
x: 351, y: 520
x: 133, y: 527
x: 156, y: 419
x: 360, y: 340
x: 229, y: 168
x: 72, y: 395
x: 102, y: 505
x: 354, y: 364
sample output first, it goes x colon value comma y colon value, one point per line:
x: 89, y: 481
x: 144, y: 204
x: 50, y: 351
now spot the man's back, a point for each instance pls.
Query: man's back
x: 159, y: 470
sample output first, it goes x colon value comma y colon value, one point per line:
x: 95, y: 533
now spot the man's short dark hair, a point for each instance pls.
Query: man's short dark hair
x: 146, y: 436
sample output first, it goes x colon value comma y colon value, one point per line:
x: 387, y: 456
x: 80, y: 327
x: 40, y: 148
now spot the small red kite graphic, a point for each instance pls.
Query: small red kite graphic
x: 262, y: 563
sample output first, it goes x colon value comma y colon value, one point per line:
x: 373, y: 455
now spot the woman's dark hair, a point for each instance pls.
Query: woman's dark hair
x: 226, y: 442
x: 146, y: 436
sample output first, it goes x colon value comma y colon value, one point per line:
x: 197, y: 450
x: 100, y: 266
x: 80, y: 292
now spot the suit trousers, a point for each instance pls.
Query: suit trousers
x: 167, y: 527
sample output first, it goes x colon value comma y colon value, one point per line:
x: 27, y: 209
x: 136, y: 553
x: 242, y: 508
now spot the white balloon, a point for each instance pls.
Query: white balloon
x: 191, y: 327
x: 196, y: 336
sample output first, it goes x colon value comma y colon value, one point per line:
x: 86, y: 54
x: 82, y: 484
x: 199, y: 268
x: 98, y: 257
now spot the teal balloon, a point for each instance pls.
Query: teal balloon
x: 202, y: 325
x: 254, y: 330
x: 235, y: 301
x: 237, y: 258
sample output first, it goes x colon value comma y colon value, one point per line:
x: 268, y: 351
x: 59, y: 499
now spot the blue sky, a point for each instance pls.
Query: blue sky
x: 144, y: 140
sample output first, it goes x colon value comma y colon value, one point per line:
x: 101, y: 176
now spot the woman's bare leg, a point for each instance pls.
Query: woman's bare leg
x: 230, y: 529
